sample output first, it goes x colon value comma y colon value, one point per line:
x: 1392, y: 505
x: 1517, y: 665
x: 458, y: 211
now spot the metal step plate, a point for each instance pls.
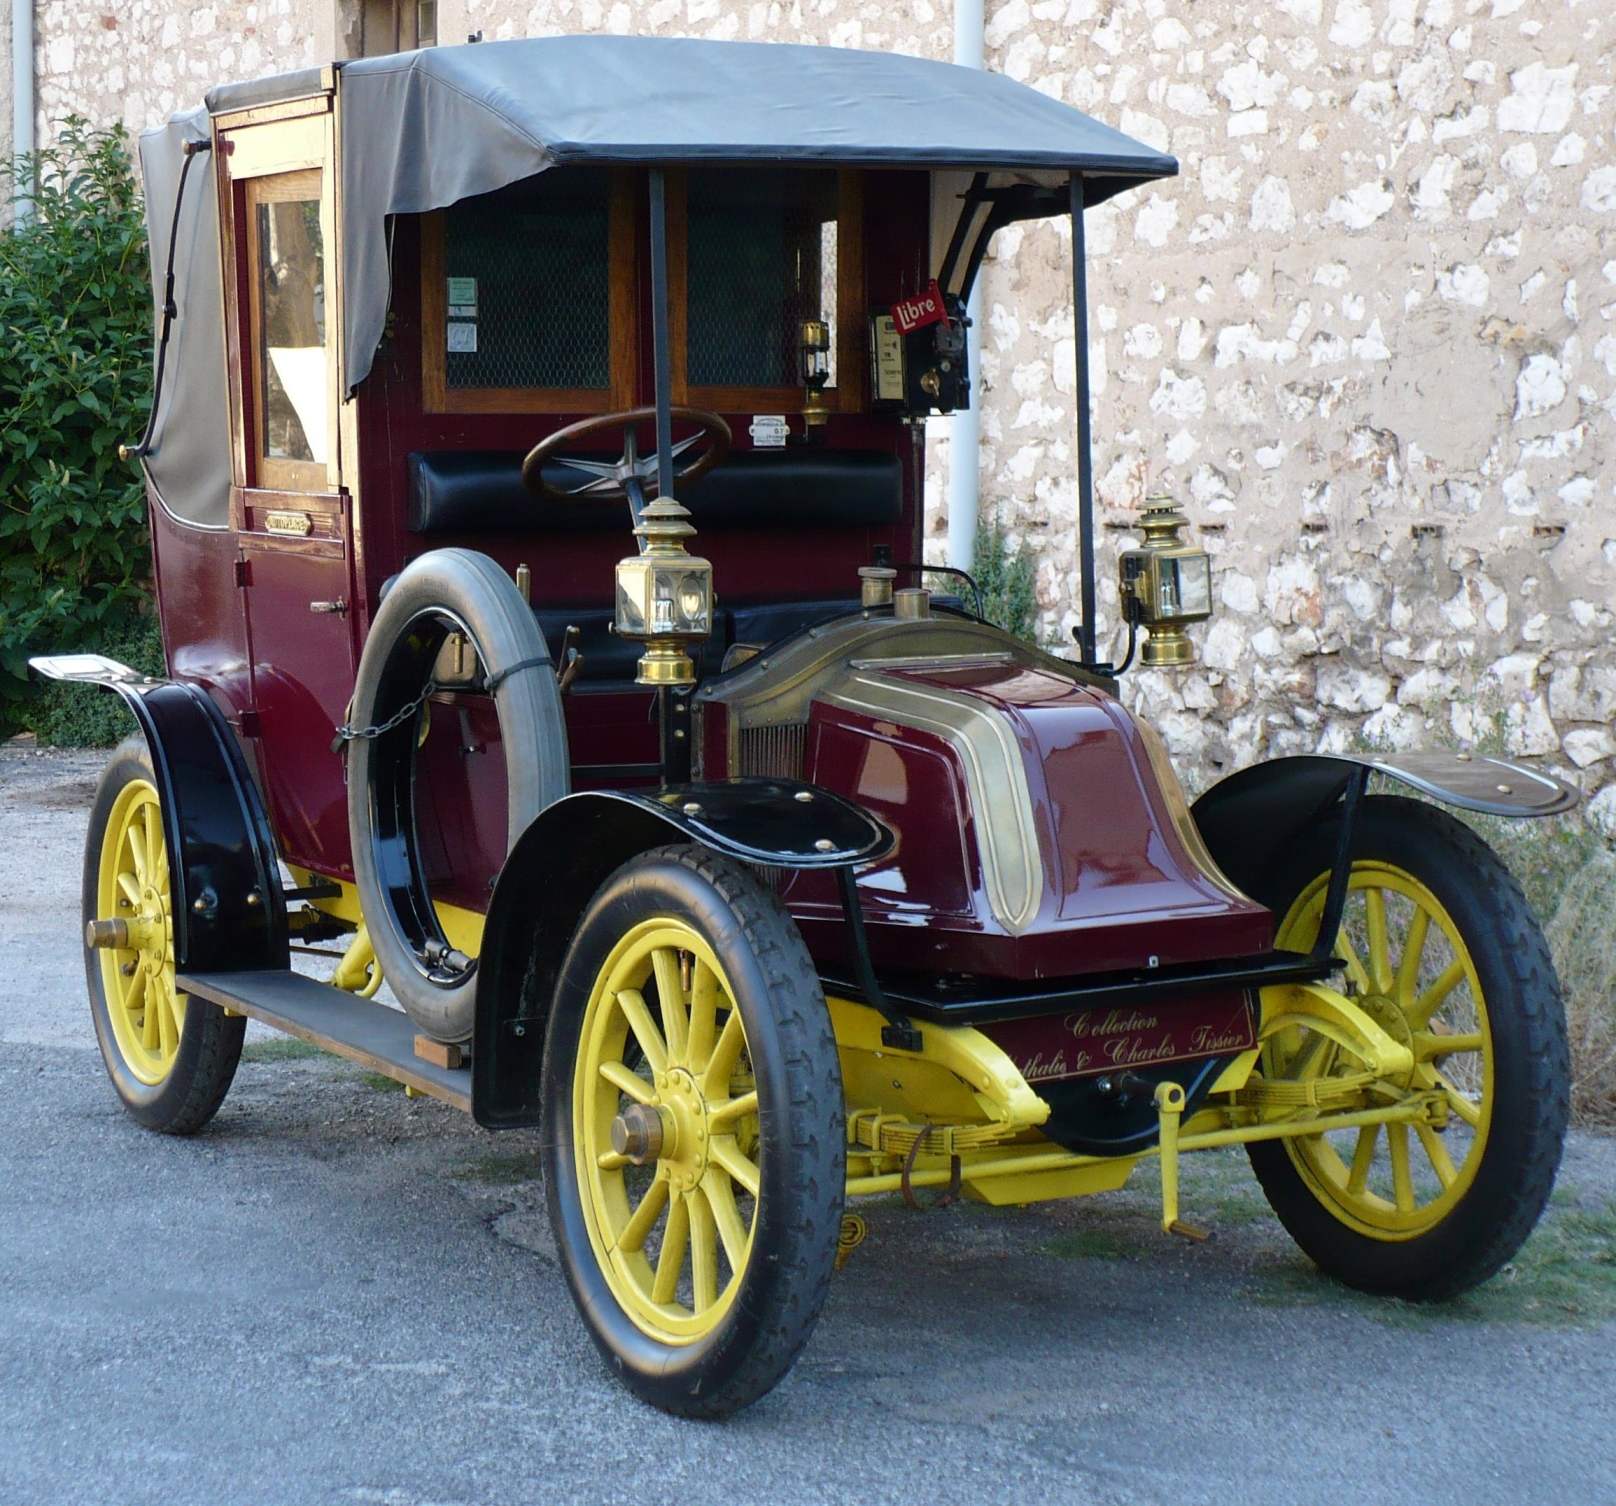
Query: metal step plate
x: 371, y: 1034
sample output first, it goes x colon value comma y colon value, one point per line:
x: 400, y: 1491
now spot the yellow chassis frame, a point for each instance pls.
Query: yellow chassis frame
x: 977, y: 1118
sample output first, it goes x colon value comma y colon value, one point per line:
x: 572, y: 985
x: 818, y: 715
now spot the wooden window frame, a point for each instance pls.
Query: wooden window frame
x: 622, y: 334
x: 848, y: 395
x: 276, y: 473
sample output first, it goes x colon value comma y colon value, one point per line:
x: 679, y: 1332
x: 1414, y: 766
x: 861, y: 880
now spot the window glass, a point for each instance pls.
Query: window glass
x: 291, y: 302
x: 528, y: 294
x: 760, y: 259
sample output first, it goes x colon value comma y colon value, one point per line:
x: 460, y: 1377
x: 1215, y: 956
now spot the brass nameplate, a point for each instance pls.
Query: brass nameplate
x: 297, y: 524
x: 1048, y: 1048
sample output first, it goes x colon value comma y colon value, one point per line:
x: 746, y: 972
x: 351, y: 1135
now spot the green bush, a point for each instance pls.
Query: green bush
x: 75, y: 379
x: 1007, y: 581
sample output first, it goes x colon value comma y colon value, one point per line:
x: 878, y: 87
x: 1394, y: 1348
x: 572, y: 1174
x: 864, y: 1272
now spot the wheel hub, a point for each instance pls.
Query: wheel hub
x: 684, y: 1152
x: 1388, y: 1014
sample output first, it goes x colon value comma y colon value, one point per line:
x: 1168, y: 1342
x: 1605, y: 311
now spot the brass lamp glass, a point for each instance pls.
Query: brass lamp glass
x: 815, y: 344
x: 664, y: 595
x: 1168, y: 580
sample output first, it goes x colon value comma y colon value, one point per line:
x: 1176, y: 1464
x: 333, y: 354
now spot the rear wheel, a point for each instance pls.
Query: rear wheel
x: 1443, y: 952
x: 171, y: 1058
x: 694, y: 1140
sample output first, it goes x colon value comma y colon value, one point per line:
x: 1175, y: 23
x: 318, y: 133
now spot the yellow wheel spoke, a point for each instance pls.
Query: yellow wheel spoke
x: 1429, y: 1046
x: 645, y: 1216
x: 1408, y: 965
x: 703, y: 1253
x: 1380, y: 965
x: 1402, y: 1177
x: 1459, y: 1103
x: 671, y: 998
x: 1363, y: 1157
x: 133, y: 993
x: 1441, y: 1162
x: 715, y: 1080
x: 166, y: 1034
x: 630, y: 1083
x: 129, y: 887
x: 1420, y: 1012
x: 703, y: 1016
x: 721, y: 1198
x: 671, y: 1261
x: 729, y: 1155
x: 632, y: 1003
x: 735, y: 1108
x: 175, y: 1004
x: 137, y: 850
x: 1356, y: 971
x: 149, y: 1037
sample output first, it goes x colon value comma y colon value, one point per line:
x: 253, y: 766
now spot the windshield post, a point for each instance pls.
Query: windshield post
x: 659, y: 332
x: 1085, y: 471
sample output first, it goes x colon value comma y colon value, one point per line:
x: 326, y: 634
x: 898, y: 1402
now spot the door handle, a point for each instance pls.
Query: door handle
x: 337, y: 608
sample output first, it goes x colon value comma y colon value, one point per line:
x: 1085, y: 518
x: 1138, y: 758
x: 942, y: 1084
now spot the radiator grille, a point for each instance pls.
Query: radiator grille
x: 773, y: 751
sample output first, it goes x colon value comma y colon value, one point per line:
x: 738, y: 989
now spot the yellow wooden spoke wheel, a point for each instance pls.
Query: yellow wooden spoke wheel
x: 694, y: 1140
x: 171, y: 1058
x: 1442, y: 951
x: 132, y: 893
x: 663, y: 1106
x: 1409, y: 969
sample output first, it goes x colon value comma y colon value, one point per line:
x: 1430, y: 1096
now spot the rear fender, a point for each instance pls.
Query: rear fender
x: 570, y: 850
x: 229, y: 911
x: 1249, y: 819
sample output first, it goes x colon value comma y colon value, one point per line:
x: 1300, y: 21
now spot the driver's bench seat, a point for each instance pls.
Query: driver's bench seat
x: 459, y: 496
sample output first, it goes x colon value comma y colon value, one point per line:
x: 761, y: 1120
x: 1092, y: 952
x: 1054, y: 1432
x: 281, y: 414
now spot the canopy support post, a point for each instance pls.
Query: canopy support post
x: 659, y: 332
x: 1085, y: 463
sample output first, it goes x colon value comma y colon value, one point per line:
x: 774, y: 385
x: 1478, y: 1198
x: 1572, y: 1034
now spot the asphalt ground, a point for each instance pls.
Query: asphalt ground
x: 337, y: 1294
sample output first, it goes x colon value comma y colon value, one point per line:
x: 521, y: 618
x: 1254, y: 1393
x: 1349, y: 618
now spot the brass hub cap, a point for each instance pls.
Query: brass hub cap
x: 665, y: 1132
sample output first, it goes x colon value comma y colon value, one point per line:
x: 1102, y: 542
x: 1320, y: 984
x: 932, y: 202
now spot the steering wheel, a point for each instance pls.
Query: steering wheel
x: 632, y: 477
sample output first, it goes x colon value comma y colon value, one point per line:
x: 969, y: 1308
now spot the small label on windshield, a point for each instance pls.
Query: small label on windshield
x: 769, y: 431
x: 462, y: 337
x: 463, y: 292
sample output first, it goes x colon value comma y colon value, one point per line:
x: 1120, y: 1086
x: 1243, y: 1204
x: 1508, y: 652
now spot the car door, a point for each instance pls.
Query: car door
x: 292, y: 513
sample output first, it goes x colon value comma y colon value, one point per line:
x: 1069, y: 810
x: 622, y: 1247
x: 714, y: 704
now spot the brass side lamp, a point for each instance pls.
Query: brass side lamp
x: 1166, y: 584
x: 664, y: 595
x: 815, y: 346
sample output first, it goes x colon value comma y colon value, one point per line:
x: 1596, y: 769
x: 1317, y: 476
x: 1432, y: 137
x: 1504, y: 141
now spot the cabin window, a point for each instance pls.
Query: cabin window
x: 761, y: 251
x: 287, y: 286
x: 526, y: 294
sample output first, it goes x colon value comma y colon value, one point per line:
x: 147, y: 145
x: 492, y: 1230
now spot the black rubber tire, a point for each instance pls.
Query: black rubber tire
x: 1531, y: 1063
x: 484, y: 600
x: 210, y: 1042
x: 802, y: 1151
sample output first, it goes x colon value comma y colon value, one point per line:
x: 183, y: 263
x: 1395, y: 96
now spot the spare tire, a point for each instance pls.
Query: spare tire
x: 445, y: 591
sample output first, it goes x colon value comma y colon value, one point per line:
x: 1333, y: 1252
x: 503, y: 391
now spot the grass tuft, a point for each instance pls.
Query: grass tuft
x: 286, y: 1049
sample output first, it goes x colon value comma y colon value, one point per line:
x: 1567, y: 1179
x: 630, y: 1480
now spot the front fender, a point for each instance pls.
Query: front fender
x: 226, y: 898
x: 1249, y: 818
x: 569, y: 851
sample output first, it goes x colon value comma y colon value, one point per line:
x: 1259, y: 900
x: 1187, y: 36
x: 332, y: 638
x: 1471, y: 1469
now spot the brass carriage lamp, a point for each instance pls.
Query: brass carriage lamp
x: 664, y: 595
x: 1166, y: 584
x: 815, y: 345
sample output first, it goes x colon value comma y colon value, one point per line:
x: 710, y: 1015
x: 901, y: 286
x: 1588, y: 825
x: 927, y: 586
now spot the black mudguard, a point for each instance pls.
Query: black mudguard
x: 570, y: 850
x: 229, y: 911
x: 1251, y: 818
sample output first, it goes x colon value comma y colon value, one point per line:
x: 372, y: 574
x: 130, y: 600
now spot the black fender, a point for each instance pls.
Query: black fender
x: 570, y: 850
x: 1249, y: 819
x: 228, y: 906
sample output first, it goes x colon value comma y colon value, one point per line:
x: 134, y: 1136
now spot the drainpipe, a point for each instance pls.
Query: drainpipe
x: 22, y: 91
x: 964, y: 470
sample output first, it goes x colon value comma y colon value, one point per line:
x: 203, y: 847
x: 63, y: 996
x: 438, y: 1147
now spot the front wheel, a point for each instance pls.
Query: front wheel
x: 694, y: 1142
x: 1443, y: 952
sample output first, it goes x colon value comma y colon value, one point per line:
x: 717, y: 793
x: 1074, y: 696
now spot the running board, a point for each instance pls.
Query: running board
x: 371, y: 1034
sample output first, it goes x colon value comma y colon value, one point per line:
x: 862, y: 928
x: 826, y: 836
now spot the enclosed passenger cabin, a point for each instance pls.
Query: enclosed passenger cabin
x: 429, y: 263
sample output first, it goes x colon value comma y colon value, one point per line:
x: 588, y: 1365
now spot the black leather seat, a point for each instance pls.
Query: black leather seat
x: 481, y: 491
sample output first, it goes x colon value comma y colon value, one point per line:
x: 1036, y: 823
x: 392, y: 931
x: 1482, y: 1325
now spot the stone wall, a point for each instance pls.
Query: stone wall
x: 1368, y: 336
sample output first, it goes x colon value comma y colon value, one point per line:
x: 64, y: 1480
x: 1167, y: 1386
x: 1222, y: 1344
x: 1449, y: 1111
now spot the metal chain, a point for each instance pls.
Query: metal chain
x: 346, y: 733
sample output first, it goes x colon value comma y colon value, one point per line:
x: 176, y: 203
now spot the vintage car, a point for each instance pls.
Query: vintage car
x: 759, y: 879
